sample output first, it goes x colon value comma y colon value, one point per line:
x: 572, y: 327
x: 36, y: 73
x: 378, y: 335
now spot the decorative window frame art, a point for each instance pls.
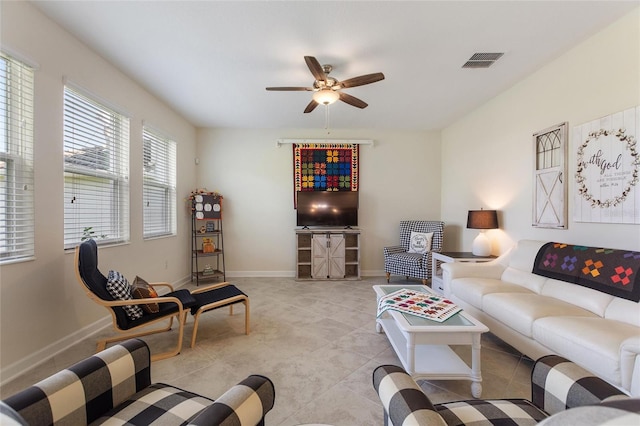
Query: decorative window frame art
x: 607, y: 169
x: 549, y: 177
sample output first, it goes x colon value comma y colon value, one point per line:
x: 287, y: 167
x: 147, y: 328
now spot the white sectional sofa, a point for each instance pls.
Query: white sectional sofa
x: 542, y: 316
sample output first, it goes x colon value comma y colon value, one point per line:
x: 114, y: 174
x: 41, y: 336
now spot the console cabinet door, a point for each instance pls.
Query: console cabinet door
x: 319, y: 256
x: 327, y: 256
x: 336, y: 256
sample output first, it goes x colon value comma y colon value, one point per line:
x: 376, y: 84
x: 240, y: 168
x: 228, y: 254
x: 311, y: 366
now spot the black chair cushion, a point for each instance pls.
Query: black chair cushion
x: 216, y: 295
x: 97, y: 283
x: 188, y: 300
x: 92, y: 277
x: 95, y: 280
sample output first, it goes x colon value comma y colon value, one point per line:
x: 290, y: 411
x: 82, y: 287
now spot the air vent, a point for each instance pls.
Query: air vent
x: 482, y: 60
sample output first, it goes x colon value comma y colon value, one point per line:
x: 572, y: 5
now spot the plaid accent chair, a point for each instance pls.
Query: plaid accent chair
x: 398, y: 260
x: 114, y: 386
x: 562, y: 394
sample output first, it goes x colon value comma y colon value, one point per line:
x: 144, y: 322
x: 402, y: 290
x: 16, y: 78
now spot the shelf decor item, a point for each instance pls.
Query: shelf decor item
x: 206, y: 205
x: 208, y: 246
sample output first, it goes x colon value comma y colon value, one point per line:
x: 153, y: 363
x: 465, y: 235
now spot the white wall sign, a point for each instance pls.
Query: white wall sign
x: 608, y: 166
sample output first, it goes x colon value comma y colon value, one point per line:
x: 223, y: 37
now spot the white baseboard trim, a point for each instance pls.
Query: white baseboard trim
x: 259, y: 274
x: 37, y: 358
x: 288, y: 274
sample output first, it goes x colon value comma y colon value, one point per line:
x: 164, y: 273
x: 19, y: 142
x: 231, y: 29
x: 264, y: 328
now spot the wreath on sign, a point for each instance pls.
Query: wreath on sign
x: 580, y: 178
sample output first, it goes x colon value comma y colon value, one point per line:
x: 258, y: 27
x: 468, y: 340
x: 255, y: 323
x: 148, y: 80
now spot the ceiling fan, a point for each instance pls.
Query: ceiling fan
x: 327, y: 89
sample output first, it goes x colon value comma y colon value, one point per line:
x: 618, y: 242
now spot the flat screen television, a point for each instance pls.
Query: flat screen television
x: 327, y: 208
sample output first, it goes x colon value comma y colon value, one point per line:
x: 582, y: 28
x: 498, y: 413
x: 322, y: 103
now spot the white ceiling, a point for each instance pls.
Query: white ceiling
x: 211, y: 60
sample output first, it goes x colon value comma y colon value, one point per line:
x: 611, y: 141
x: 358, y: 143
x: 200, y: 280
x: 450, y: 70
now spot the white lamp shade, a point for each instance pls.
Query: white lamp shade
x: 326, y: 96
x: 481, y: 245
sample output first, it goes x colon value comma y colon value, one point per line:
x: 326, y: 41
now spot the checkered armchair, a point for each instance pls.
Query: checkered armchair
x: 562, y: 394
x: 115, y: 386
x: 398, y: 260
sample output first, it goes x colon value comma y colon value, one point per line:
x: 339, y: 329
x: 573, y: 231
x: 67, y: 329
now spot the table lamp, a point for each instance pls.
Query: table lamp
x: 482, y: 219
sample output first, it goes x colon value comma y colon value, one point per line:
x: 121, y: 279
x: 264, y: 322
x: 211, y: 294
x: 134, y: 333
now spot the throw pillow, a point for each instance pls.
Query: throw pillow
x: 120, y: 289
x: 140, y: 289
x: 420, y: 242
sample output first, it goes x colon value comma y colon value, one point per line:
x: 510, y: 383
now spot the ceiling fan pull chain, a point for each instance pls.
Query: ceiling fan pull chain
x: 326, y: 118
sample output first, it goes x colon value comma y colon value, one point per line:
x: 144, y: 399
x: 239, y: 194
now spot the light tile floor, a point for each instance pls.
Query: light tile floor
x: 316, y: 340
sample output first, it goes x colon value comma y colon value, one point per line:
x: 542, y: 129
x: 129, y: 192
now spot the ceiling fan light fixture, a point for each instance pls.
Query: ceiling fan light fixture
x: 326, y: 96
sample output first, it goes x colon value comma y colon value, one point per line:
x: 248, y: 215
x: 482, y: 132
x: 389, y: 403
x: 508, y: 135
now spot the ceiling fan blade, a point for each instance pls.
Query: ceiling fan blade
x: 315, y: 68
x: 362, y: 80
x: 312, y: 105
x: 352, y: 100
x: 307, y: 89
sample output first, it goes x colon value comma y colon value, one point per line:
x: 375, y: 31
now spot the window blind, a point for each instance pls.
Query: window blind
x: 96, y: 171
x: 159, y: 188
x: 16, y: 160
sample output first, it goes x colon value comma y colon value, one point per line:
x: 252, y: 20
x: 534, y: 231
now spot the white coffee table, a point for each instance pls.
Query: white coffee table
x: 423, y: 345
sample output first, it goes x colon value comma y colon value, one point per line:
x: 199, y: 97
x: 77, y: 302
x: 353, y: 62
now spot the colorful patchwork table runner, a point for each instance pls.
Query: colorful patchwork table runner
x: 615, y: 272
x: 418, y: 303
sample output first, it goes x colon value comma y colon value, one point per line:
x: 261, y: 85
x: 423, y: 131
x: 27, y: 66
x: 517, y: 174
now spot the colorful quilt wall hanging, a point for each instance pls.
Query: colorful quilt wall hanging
x: 325, y: 167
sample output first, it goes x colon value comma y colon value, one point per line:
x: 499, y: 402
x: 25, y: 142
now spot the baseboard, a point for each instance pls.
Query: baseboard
x: 286, y: 274
x: 37, y: 358
x: 259, y: 274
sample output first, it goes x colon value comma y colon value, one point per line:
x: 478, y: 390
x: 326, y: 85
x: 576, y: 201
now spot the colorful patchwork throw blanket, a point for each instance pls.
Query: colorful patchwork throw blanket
x: 610, y: 271
x: 418, y: 303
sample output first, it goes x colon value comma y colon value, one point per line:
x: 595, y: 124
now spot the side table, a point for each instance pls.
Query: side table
x: 437, y: 258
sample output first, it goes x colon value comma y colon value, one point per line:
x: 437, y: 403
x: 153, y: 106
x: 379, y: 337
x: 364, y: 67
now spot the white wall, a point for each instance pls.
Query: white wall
x: 41, y: 304
x: 489, y: 153
x: 399, y: 179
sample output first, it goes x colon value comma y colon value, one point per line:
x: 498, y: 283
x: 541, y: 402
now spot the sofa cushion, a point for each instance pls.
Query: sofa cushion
x: 490, y: 412
x: 520, y: 310
x: 472, y: 290
x: 624, y: 311
x: 157, y: 404
x: 589, y: 299
x: 524, y: 279
x: 593, y: 343
x: 524, y: 254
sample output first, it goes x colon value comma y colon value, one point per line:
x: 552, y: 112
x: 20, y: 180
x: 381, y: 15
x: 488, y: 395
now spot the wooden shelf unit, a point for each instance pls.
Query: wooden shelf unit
x: 207, y: 224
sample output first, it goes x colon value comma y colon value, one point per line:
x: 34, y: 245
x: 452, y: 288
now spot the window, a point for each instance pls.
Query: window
x: 96, y: 171
x: 159, y: 188
x: 16, y: 160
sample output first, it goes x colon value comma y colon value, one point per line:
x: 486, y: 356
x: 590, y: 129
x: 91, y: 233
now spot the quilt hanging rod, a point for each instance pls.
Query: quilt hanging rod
x: 280, y: 142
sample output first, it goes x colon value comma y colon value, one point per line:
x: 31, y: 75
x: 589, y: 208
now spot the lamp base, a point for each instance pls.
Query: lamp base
x: 481, y: 245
